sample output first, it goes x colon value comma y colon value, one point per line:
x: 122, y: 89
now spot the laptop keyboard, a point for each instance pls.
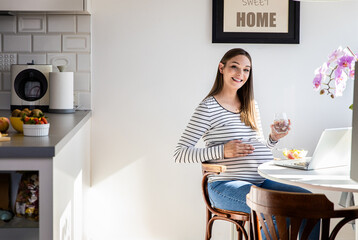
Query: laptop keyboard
x: 304, y: 164
x: 293, y: 163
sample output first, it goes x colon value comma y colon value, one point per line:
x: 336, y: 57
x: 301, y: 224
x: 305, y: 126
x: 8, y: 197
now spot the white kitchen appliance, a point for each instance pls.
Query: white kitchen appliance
x: 61, y: 92
x: 30, y: 86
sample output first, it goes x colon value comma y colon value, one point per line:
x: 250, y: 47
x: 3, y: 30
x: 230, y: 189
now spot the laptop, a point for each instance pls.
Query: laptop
x: 333, y: 150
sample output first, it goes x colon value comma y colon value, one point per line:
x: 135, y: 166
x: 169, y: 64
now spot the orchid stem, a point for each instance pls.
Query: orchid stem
x: 351, y: 51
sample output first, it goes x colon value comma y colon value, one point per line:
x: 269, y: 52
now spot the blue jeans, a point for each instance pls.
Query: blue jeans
x: 231, y: 195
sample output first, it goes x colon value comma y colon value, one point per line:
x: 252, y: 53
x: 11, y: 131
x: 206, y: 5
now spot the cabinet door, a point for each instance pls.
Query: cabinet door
x: 42, y: 5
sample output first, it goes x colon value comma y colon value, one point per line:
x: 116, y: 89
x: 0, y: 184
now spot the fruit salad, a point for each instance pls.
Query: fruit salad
x: 35, y: 116
x: 294, y: 153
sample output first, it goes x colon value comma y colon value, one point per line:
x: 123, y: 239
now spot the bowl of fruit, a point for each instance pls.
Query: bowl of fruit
x: 294, y: 153
x: 16, y: 118
x: 34, y: 122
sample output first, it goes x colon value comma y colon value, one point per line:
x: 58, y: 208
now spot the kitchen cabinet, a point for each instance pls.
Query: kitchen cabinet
x: 62, y: 161
x: 78, y: 6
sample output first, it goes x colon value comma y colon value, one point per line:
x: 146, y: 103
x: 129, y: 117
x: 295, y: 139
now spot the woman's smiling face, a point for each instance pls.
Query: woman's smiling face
x: 235, y: 72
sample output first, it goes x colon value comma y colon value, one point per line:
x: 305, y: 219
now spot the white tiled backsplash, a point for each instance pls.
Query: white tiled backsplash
x: 48, y: 39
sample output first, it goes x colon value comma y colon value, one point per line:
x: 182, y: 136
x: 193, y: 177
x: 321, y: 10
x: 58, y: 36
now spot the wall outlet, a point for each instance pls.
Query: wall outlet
x: 6, y: 59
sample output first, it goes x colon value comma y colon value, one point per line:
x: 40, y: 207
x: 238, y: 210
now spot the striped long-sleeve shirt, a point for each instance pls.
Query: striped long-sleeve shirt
x: 217, y: 126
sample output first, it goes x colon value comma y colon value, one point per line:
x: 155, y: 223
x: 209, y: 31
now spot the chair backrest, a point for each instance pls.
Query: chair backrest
x: 282, y: 214
x: 213, y: 214
x: 209, y: 169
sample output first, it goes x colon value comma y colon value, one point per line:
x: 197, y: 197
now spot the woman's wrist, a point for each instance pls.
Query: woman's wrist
x: 273, y: 139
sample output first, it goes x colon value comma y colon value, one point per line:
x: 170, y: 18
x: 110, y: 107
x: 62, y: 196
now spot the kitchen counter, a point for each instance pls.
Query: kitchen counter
x: 62, y: 161
x: 62, y: 128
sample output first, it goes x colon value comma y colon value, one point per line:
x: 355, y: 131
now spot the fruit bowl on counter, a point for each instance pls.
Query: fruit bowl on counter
x: 30, y: 122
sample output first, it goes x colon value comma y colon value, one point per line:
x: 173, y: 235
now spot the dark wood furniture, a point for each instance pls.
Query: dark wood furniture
x: 289, y: 210
x: 212, y: 214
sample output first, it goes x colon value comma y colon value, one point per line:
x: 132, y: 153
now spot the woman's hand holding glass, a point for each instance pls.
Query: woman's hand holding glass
x: 280, y: 127
x: 236, y: 148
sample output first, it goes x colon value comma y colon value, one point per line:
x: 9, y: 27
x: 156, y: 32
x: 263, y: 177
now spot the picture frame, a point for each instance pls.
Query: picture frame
x: 265, y: 31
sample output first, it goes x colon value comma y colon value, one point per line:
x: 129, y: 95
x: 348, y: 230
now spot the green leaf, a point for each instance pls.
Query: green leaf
x: 351, y: 107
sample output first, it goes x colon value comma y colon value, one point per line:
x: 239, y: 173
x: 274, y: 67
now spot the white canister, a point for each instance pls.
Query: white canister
x: 61, y: 92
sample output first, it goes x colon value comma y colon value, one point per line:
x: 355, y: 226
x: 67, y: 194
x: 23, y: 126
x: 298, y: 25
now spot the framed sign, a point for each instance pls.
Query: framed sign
x: 256, y: 21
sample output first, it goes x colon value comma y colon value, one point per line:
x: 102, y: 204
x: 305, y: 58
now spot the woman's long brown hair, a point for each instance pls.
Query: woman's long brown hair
x: 245, y: 93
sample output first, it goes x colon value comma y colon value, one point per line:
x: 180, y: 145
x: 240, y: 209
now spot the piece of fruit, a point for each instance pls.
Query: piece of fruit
x: 296, y: 154
x: 290, y: 155
x: 28, y: 111
x: 37, y: 113
x: 4, y: 124
x: 16, y: 113
x: 17, y: 124
x: 23, y: 112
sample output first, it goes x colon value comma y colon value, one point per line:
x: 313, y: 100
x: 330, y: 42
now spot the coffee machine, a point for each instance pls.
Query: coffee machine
x: 30, y: 86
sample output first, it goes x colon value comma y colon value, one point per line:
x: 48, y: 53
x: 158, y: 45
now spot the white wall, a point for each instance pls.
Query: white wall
x: 153, y: 62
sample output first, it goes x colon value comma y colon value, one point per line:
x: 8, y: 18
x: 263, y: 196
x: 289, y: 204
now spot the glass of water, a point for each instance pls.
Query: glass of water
x: 280, y: 123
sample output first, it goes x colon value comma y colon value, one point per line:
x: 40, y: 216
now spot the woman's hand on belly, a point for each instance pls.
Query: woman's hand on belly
x: 236, y: 148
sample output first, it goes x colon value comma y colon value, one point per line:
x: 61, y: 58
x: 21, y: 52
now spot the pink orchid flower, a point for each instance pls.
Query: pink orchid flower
x: 340, y: 83
x: 338, y: 53
x: 345, y: 61
x: 320, y: 74
x: 337, y: 70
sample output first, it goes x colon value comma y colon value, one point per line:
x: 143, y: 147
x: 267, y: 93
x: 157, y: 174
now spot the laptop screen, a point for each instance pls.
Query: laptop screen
x: 333, y: 149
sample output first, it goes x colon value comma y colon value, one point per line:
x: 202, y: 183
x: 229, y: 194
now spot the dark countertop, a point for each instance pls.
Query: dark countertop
x: 62, y: 128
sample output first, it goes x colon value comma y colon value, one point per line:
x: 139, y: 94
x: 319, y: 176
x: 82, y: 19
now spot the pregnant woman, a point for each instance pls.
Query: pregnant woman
x: 228, y: 121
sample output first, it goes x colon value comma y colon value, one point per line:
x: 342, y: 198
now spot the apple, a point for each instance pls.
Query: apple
x: 4, y: 124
